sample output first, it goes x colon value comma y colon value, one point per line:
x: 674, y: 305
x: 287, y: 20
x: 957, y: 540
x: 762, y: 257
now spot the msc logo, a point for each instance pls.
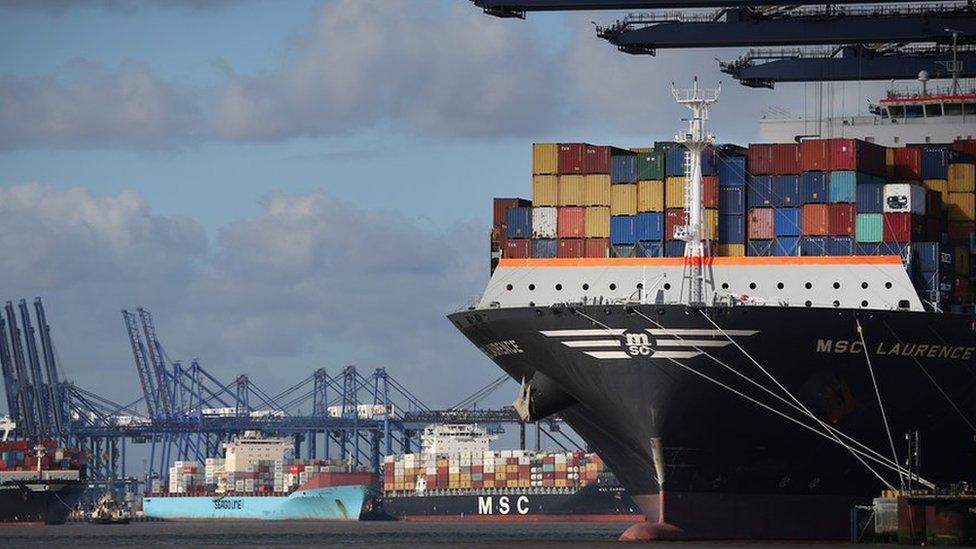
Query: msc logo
x: 637, y: 343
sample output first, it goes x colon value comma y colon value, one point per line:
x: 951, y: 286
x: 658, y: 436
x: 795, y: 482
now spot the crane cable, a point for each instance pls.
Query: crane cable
x: 877, y: 393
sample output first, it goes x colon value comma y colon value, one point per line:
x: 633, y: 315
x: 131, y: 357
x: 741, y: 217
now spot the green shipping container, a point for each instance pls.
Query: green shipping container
x: 650, y: 165
x: 869, y: 227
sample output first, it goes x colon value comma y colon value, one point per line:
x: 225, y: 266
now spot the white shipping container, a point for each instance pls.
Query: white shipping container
x: 544, y: 222
x: 904, y: 198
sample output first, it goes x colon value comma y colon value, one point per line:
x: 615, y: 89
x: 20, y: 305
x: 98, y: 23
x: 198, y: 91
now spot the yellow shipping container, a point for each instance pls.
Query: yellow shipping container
x: 650, y: 195
x: 489, y: 484
x: 597, y: 222
x: 890, y: 162
x: 623, y: 199
x: 674, y: 192
x: 732, y: 250
x: 545, y: 158
x: 454, y: 477
x: 962, y: 206
x: 525, y: 483
x: 560, y: 467
x: 398, y: 486
x: 560, y: 483
x: 962, y: 263
x: 596, y: 189
x: 545, y: 190
x: 710, y: 230
x: 511, y: 468
x: 940, y: 185
x: 962, y: 178
x: 465, y: 477
x: 572, y: 190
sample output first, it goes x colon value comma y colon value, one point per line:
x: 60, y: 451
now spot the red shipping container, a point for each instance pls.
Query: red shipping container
x: 907, y: 163
x: 571, y: 222
x: 570, y: 247
x: 841, y: 220
x: 963, y: 290
x: 933, y: 229
x: 596, y: 159
x: 501, y: 206
x: 761, y: 224
x: 903, y: 227
x: 597, y: 247
x: 517, y: 248
x: 759, y: 159
x: 570, y: 158
x: 816, y: 219
x: 813, y: 155
x: 786, y: 159
x: 675, y: 217
x: 959, y: 231
x: 710, y: 191
x: 967, y: 146
x: 856, y: 155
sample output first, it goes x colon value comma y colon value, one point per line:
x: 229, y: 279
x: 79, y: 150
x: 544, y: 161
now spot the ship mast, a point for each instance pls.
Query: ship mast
x: 696, y: 141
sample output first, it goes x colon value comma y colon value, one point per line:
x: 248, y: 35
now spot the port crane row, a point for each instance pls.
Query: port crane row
x: 185, y: 413
x: 803, y: 41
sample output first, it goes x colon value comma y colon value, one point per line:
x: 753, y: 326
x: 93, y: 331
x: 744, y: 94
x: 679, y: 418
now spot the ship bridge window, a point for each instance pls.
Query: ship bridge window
x: 953, y: 109
x: 933, y: 110
x: 897, y: 111
x: 914, y: 111
x: 969, y: 108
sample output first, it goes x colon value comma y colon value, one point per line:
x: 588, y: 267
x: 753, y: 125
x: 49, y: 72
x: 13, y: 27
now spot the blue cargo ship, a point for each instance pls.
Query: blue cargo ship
x: 343, y: 502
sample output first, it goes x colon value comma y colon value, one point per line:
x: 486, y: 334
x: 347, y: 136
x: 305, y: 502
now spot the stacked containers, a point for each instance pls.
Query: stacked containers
x: 650, y: 202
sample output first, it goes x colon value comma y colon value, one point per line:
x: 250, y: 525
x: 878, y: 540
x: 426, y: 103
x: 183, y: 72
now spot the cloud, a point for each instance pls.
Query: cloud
x: 310, y: 282
x: 57, y: 7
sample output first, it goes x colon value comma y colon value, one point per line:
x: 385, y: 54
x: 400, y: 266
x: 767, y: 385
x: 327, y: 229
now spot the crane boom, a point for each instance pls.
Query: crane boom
x: 142, y: 366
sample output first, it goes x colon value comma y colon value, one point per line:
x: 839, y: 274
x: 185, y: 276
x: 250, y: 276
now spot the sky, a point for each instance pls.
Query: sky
x: 302, y: 184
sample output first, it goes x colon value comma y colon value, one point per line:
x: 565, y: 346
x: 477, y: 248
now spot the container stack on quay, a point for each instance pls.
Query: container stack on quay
x: 489, y: 471
x: 814, y: 198
x: 256, y: 478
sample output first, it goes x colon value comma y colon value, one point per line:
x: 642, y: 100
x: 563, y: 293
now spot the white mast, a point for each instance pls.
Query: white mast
x: 695, y: 140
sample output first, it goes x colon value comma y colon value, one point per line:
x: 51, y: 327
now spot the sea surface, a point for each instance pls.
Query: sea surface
x: 345, y: 534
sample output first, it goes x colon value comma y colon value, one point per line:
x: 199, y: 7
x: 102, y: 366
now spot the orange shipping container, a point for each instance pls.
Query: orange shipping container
x: 597, y: 190
x: 597, y: 222
x: 623, y: 199
x: 597, y: 247
x: 571, y: 222
x: 572, y: 190
x: 545, y: 190
x: 650, y: 196
x: 710, y: 191
x: 815, y: 219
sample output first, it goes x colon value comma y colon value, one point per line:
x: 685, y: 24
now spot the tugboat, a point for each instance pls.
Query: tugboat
x: 108, y: 511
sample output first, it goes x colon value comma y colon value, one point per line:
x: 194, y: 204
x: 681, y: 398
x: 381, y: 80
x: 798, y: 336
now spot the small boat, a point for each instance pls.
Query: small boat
x: 108, y: 511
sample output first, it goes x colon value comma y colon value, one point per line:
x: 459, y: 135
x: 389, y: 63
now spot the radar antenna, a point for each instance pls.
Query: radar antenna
x: 696, y: 141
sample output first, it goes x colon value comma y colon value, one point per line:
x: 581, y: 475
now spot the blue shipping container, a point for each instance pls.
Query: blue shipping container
x: 544, y: 248
x: 650, y: 226
x: 674, y: 248
x: 519, y: 222
x: 867, y: 248
x: 623, y: 168
x: 788, y: 221
x: 760, y: 190
x: 623, y: 250
x: 814, y: 245
x: 732, y: 229
x: 759, y: 248
x: 623, y: 229
x: 870, y: 197
x: 731, y: 200
x: 813, y: 187
x: 843, y: 187
x: 936, y: 160
x: 785, y: 191
x: 840, y: 245
x: 786, y: 245
x: 931, y: 256
x: 649, y: 249
x: 674, y: 165
x: 731, y: 170
x: 893, y: 248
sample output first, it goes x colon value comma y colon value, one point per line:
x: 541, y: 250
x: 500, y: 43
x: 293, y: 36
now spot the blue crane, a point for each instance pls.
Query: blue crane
x: 59, y: 415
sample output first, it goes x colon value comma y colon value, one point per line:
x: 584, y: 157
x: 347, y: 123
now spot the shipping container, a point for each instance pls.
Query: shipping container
x: 596, y: 159
x: 570, y: 248
x: 870, y: 227
x: 961, y: 207
x: 931, y: 256
x: 840, y: 245
x: 709, y: 191
x: 597, y: 247
x: 571, y: 223
x: 816, y: 219
x: 962, y: 260
x: 544, y: 222
x: 596, y: 190
x: 731, y: 200
x: 759, y: 159
x: 517, y: 249
x: 939, y: 185
x: 731, y: 170
x: 966, y: 146
x: 519, y: 222
x: 500, y: 208
x: 572, y: 190
x: 623, y: 229
x: 674, y: 165
x: 936, y: 160
x: 867, y: 248
x: 814, y: 155
x: 841, y: 220
x: 732, y: 229
x: 761, y: 224
x: 545, y: 190
x: 544, y: 248
x: 786, y: 159
x: 650, y: 248
x: 786, y: 245
x: 963, y: 292
x: 545, y: 158
x: 813, y: 245
x: 893, y: 248
x: 857, y: 156
x: 674, y: 248
x: 673, y: 218
x: 710, y: 224
x: 785, y: 191
x: 960, y: 231
x: 674, y: 192
x: 597, y: 222
x: 814, y: 187
x: 623, y: 167
x: 570, y: 159
x: 623, y: 200
x: 787, y: 222
x: 650, y: 226
x: 933, y: 228
x: 870, y: 197
x: 650, y: 196
x: 933, y: 204
x: 732, y: 250
x: 759, y: 191
x: 759, y: 248
x: 903, y: 227
x: 962, y: 178
x: 650, y: 165
x: 843, y: 187
x: 623, y: 250
x: 904, y: 198
x: 906, y: 163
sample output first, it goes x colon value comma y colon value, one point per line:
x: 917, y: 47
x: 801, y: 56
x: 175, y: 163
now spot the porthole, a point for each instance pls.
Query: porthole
x: 836, y: 303
x: 531, y: 287
x: 559, y: 287
x: 808, y: 285
x: 836, y: 285
x: 613, y: 286
x: 887, y: 285
x: 809, y: 304
x: 667, y: 285
x: 864, y: 303
x: 779, y: 285
x: 509, y: 287
x: 752, y: 285
x: 864, y: 285
x: 586, y: 287
x: 725, y: 285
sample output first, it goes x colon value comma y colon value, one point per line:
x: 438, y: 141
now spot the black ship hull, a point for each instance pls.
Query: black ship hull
x: 38, y: 502
x: 733, y: 468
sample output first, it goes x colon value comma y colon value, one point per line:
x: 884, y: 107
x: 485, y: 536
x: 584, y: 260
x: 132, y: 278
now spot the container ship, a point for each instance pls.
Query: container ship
x: 255, y: 481
x: 754, y: 338
x: 40, y: 483
x: 458, y: 477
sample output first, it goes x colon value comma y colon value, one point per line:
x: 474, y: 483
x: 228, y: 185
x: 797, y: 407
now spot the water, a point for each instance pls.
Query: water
x: 345, y: 534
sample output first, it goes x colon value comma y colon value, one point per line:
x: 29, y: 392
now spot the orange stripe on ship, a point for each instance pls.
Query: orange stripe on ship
x: 672, y: 261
